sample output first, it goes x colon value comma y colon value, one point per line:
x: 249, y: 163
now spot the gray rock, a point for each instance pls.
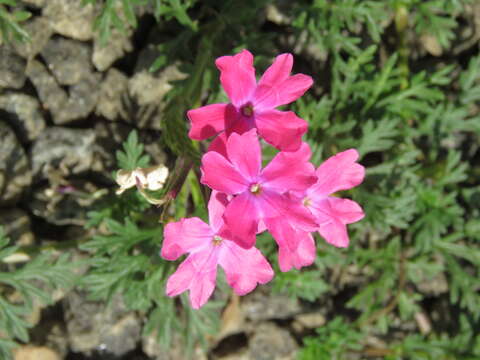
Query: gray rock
x: 152, y: 348
x: 70, y: 18
x: 17, y: 226
x: 15, y: 174
x: 270, y: 342
x: 68, y: 60
x: 40, y: 32
x: 37, y: 3
x: 94, y: 326
x: 23, y: 114
x: 112, y: 89
x: 146, y: 91
x: 64, y: 107
x: 53, y: 97
x: 263, y: 305
x: 64, y: 202
x: 12, y: 69
x: 83, y: 98
x: 64, y: 151
x: 119, y: 43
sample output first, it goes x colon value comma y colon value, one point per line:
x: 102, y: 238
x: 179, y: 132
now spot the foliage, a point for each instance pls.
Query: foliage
x: 24, y: 287
x: 10, y: 22
x: 413, y: 117
x: 125, y: 260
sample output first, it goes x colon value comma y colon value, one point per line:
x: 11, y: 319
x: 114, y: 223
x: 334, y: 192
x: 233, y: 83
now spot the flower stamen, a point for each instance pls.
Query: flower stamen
x: 217, y: 240
x: 247, y: 110
x: 255, y: 189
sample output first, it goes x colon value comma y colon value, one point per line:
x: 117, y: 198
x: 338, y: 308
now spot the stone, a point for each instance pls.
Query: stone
x: 112, y: 89
x: 64, y: 107
x: 94, y: 326
x: 23, y: 114
x: 311, y: 320
x: 152, y: 348
x: 263, y: 305
x: 17, y: 226
x: 70, y: 18
x: 37, y: 3
x: 148, y: 88
x: 63, y: 201
x: 83, y: 98
x: 12, y: 69
x: 62, y: 150
x: 146, y: 92
x: 119, y: 43
x: 30, y: 352
x: 40, y: 32
x: 68, y: 60
x: 15, y: 174
x: 271, y: 342
x: 53, y: 97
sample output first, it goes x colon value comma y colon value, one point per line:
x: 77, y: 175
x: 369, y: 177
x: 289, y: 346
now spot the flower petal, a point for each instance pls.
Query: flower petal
x: 290, y: 171
x: 198, y: 274
x: 186, y: 235
x: 245, y: 154
x: 241, y: 217
x: 216, y: 207
x: 244, y: 268
x: 274, y: 205
x: 219, y: 174
x: 282, y: 129
x: 278, y: 72
x: 219, y: 145
x: 339, y: 172
x: 268, y: 97
x: 303, y: 255
x: 207, y: 121
x: 237, y: 76
x: 332, y: 215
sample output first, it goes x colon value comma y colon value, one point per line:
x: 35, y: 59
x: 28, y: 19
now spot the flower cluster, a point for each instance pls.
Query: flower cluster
x: 288, y: 197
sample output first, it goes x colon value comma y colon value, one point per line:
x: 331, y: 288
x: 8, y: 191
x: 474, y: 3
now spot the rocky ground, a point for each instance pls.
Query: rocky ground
x: 66, y: 105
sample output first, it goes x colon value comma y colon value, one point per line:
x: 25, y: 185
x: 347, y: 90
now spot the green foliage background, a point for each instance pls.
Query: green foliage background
x: 415, y: 121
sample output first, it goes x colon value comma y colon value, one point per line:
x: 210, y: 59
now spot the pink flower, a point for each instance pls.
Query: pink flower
x: 209, y: 246
x: 339, y: 172
x: 259, y: 195
x: 253, y: 105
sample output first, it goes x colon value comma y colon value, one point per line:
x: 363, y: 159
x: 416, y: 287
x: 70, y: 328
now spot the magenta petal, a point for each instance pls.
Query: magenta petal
x: 339, y: 172
x: 332, y: 215
x: 335, y: 233
x: 216, y: 207
x: 244, y: 268
x: 282, y: 129
x: 279, y: 71
x: 290, y: 171
x: 274, y: 205
x: 268, y: 97
x: 197, y: 274
x: 241, y: 217
x: 184, y: 236
x: 245, y: 154
x: 207, y: 121
x: 237, y: 76
x: 303, y: 255
x: 219, y: 174
x: 219, y: 145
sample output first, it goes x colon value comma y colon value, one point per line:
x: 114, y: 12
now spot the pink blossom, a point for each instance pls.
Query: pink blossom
x: 209, y: 246
x: 253, y: 105
x: 259, y: 195
x: 339, y: 172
